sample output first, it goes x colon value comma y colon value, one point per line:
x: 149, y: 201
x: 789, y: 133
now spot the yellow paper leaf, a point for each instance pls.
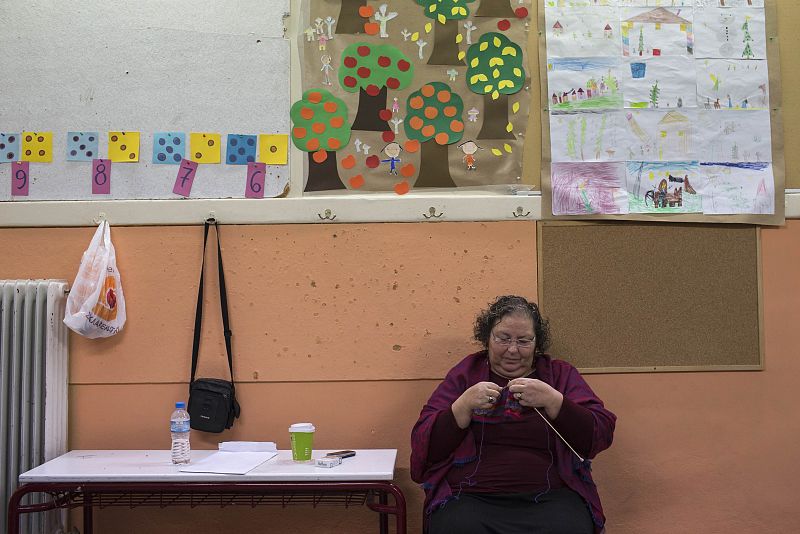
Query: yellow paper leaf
x: 496, y: 61
x: 515, y: 107
x: 497, y: 152
x: 505, y: 83
x: 428, y: 27
x: 475, y: 62
x: 459, y: 38
x: 509, y: 51
x: 432, y: 8
x: 454, y: 11
x: 483, y: 46
x: 475, y: 78
x: 496, y: 42
x: 488, y: 89
x: 517, y: 72
x: 496, y: 74
x: 461, y: 55
x: 495, y: 95
x: 506, y: 146
x: 441, y: 18
x: 415, y: 37
x: 509, y: 127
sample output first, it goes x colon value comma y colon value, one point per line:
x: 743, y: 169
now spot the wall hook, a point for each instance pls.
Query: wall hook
x: 328, y: 215
x: 100, y: 218
x: 433, y: 214
x: 518, y: 212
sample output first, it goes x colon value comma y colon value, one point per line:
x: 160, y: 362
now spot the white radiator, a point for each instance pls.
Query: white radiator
x: 33, y: 386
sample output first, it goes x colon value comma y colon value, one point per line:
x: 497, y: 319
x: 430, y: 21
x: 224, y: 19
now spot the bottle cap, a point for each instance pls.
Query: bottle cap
x: 180, y: 404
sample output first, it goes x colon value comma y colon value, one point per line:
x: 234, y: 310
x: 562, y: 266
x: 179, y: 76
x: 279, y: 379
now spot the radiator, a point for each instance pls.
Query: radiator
x: 33, y: 387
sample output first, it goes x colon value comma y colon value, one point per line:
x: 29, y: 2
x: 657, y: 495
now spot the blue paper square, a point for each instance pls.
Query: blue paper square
x: 9, y: 147
x: 241, y: 149
x: 82, y: 146
x: 169, y: 148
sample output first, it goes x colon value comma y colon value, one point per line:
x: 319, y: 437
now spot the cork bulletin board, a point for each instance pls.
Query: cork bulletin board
x: 643, y: 297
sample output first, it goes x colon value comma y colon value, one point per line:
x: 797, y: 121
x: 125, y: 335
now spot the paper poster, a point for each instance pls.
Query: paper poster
x: 582, y: 32
x: 586, y: 136
x: 657, y: 32
x: 732, y: 84
x: 729, y: 3
x: 589, y: 188
x: 736, y: 33
x: 657, y: 3
x: 659, y: 82
x: 580, y: 3
x: 583, y: 84
x: 735, y: 136
x: 732, y: 188
x: 654, y: 135
x: 667, y: 187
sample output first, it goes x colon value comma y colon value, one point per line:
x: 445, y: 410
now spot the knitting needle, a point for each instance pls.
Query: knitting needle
x: 558, y: 434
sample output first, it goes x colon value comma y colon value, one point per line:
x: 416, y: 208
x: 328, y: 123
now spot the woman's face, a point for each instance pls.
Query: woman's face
x: 506, y: 357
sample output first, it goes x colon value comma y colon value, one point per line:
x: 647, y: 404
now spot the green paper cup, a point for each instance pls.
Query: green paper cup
x: 302, y: 436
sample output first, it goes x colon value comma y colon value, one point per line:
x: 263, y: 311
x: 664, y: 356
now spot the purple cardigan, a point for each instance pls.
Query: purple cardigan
x: 475, y: 368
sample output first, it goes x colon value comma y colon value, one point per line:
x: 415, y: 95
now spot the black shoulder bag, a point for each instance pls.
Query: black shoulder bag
x: 212, y: 401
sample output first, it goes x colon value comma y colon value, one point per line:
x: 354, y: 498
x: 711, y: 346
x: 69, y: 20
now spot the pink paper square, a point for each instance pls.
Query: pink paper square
x: 255, y: 180
x: 101, y: 176
x: 183, y: 183
x: 20, y: 178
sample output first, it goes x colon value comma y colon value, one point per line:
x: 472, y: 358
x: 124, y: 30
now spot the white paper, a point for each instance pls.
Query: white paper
x: 737, y: 33
x: 669, y: 187
x: 248, y: 446
x: 232, y: 463
x: 581, y: 32
x: 735, y: 136
x: 650, y: 32
x: 588, y: 188
x: 656, y: 3
x: 655, y: 135
x: 732, y: 84
x: 659, y: 82
x: 729, y: 3
x: 586, y: 136
x: 732, y: 188
x: 580, y: 3
x: 583, y: 84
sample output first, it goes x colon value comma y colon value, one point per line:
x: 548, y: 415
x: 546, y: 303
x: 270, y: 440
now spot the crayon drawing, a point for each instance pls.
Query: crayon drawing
x: 660, y: 135
x: 580, y: 3
x: 732, y: 84
x: 589, y: 188
x: 735, y: 33
x: 657, y: 32
x: 663, y: 187
x: 586, y: 136
x: 732, y: 188
x: 735, y: 136
x: 583, y: 84
x: 583, y: 32
x: 656, y: 3
x: 659, y: 82
x: 729, y: 3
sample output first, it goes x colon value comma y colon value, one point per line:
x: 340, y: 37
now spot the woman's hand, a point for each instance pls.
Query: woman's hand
x: 481, y: 396
x: 534, y: 393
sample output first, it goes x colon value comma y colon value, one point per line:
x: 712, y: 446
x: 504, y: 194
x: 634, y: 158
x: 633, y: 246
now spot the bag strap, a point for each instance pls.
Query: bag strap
x: 223, y: 300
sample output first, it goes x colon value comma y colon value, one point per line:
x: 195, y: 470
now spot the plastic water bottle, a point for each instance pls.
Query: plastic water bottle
x: 179, y: 428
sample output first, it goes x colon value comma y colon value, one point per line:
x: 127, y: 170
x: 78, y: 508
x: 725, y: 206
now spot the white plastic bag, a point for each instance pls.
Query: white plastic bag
x: 96, y: 305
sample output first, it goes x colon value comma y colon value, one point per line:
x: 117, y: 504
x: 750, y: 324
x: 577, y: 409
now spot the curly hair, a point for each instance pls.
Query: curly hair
x: 510, y: 305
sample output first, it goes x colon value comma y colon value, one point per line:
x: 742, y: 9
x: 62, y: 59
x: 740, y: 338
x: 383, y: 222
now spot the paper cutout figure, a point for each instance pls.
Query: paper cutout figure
x: 473, y: 114
x: 396, y: 122
x: 469, y: 148
x: 82, y: 146
x: 311, y: 34
x: 452, y: 74
x: 273, y: 149
x: 169, y: 148
x: 101, y: 176
x: 406, y: 34
x: 420, y: 45
x: 20, y: 178
x: 9, y: 147
x: 326, y: 69
x: 241, y: 149
x: 329, y: 22
x: 365, y: 148
x: 185, y: 178
x: 256, y: 174
x: 383, y: 18
x: 37, y: 147
x: 393, y: 151
x: 123, y: 147
x: 205, y: 147
x: 470, y: 28
x: 445, y: 12
x: 395, y: 106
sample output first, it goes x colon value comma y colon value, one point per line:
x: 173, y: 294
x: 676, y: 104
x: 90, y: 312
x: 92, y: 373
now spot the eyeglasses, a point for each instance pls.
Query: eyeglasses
x: 507, y: 342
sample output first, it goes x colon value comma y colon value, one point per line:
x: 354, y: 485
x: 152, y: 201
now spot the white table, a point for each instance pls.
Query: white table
x: 133, y: 478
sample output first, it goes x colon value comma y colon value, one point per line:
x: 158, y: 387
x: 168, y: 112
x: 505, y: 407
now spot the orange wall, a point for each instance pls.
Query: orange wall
x: 351, y: 326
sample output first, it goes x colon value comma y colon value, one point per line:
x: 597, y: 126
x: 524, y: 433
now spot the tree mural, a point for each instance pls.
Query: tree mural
x: 372, y: 69
x: 320, y: 128
x: 498, y: 9
x: 445, y: 46
x: 494, y: 70
x: 434, y: 119
x: 350, y: 21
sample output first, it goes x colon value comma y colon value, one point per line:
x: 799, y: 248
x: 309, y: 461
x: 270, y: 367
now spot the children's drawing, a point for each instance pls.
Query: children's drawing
x: 657, y: 3
x: 735, y: 135
x: 736, y: 33
x: 588, y: 188
x: 659, y: 82
x: 729, y: 3
x: 586, y: 136
x: 657, y: 32
x: 582, y: 32
x: 670, y: 187
x: 580, y: 3
x: 660, y: 135
x: 583, y: 84
x: 732, y: 188
x: 732, y: 84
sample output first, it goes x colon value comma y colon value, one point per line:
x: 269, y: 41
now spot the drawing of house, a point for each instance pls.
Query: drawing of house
x: 558, y: 29
x: 675, y: 132
x: 656, y: 20
x: 609, y: 33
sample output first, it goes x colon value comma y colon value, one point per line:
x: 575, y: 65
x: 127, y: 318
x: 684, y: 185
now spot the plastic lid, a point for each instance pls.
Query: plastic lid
x: 180, y: 404
x: 302, y: 427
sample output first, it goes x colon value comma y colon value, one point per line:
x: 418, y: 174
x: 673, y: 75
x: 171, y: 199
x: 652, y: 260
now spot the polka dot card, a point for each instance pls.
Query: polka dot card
x: 241, y: 149
x: 37, y: 147
x: 82, y: 146
x: 274, y: 149
x: 123, y: 147
x: 9, y: 147
x: 169, y: 148
x: 205, y: 147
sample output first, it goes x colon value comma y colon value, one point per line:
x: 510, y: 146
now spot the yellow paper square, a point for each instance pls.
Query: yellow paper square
x: 123, y: 147
x: 204, y: 147
x: 37, y: 147
x: 273, y: 149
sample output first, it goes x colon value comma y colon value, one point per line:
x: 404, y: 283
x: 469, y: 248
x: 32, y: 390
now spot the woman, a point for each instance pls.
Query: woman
x: 483, y: 450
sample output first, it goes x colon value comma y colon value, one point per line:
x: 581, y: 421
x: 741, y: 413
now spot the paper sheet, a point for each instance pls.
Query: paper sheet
x: 737, y: 33
x: 659, y: 82
x: 586, y: 136
x: 669, y: 187
x: 232, y: 463
x: 731, y: 188
x: 732, y: 84
x: 577, y: 32
x: 583, y: 83
x: 658, y: 135
x: 648, y: 32
x: 735, y: 136
x: 584, y: 188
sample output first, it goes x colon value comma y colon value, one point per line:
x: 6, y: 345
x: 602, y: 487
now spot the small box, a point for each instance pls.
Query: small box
x: 328, y: 461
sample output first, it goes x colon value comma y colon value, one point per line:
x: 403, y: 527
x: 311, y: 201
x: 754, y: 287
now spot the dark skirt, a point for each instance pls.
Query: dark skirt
x: 559, y: 511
